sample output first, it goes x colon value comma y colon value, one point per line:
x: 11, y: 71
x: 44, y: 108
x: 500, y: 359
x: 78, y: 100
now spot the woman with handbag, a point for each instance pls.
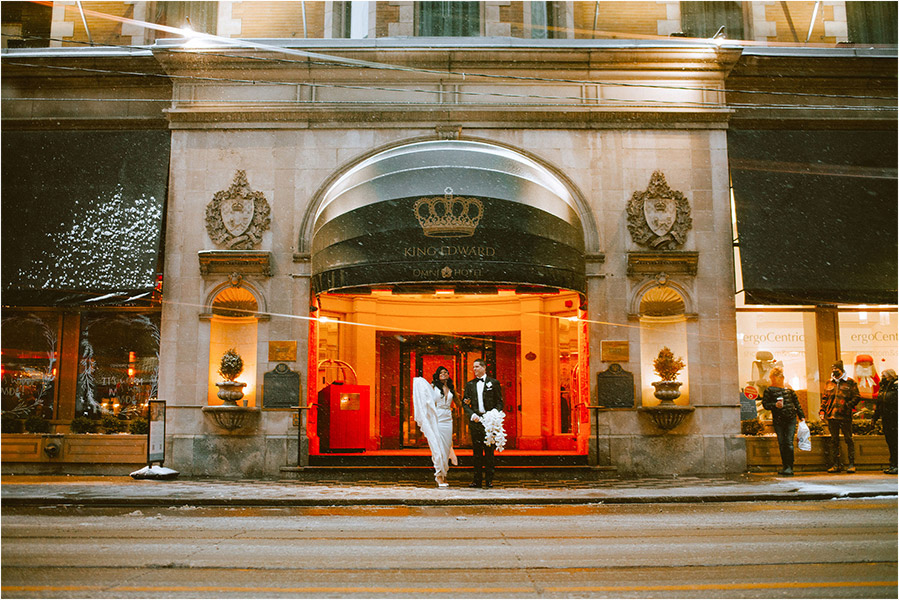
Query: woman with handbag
x: 785, y: 408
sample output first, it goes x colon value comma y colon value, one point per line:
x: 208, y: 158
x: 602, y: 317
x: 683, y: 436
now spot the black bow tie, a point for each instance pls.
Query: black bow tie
x: 482, y: 379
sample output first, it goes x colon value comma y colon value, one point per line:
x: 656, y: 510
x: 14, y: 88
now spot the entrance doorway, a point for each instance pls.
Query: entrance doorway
x: 534, y: 344
x: 413, y: 355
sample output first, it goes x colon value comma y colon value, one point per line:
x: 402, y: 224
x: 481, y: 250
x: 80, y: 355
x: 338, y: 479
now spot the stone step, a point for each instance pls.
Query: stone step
x: 547, y: 474
x: 424, y: 460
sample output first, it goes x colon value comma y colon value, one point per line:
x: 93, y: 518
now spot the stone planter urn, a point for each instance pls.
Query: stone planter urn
x: 230, y: 392
x: 667, y: 391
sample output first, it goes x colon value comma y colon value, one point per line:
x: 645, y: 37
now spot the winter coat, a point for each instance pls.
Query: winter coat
x: 886, y: 401
x: 791, y: 408
x: 839, y: 398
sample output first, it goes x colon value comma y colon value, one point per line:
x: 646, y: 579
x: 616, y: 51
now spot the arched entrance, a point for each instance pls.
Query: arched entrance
x: 439, y: 253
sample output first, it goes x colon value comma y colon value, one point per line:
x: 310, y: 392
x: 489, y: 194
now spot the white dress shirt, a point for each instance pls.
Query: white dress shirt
x: 481, y: 395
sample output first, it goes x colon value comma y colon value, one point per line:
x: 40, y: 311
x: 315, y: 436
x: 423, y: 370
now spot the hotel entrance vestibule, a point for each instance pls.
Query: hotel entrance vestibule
x: 422, y: 355
x: 533, y: 344
x: 439, y: 253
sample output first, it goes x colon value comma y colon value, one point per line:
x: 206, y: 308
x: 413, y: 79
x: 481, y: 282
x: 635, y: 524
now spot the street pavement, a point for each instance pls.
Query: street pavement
x: 32, y: 490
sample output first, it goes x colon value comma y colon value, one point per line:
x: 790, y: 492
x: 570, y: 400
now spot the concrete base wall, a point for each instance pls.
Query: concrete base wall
x: 237, y: 456
x: 700, y: 445
x: 258, y: 450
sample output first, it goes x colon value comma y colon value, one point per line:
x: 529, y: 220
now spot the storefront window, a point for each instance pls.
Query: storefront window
x: 769, y: 338
x: 30, y: 354
x: 119, y: 364
x: 868, y: 346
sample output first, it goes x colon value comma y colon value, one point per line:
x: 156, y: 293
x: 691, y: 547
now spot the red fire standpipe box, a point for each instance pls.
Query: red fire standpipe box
x: 343, y: 418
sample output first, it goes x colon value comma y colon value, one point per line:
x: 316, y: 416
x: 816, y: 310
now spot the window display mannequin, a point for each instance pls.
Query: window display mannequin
x: 867, y: 379
x: 761, y: 367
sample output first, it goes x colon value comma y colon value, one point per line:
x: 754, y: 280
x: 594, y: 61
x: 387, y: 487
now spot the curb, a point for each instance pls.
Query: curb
x: 113, y: 502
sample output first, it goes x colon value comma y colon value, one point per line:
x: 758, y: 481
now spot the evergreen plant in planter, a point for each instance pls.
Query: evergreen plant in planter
x: 82, y: 424
x: 230, y: 391
x: 667, y: 367
x: 37, y: 424
x: 667, y: 415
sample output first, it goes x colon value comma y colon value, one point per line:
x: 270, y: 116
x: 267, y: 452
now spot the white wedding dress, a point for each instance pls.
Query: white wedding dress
x: 434, y: 415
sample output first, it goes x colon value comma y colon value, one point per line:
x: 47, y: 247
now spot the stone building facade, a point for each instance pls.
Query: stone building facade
x: 583, y: 181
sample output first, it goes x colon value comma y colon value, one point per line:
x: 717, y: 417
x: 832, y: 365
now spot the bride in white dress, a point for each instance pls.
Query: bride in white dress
x: 432, y: 403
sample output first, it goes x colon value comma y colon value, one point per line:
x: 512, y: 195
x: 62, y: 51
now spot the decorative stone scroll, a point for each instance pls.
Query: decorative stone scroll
x: 659, y: 217
x: 237, y: 217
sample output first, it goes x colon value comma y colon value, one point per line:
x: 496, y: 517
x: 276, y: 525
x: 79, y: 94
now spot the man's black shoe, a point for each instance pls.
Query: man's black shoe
x: 488, y: 485
x: 474, y: 484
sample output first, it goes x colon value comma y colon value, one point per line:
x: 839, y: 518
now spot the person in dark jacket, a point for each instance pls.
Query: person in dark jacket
x: 886, y: 410
x: 785, y: 408
x: 837, y: 403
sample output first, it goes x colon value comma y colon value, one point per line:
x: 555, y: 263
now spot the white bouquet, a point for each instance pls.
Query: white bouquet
x: 493, y: 426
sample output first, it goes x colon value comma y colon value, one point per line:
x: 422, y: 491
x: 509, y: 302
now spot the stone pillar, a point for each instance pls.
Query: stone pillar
x: 595, y: 303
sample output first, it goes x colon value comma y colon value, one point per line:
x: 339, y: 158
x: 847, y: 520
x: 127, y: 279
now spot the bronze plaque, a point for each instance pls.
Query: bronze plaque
x: 615, y: 387
x: 282, y: 351
x: 281, y: 388
x: 614, y: 351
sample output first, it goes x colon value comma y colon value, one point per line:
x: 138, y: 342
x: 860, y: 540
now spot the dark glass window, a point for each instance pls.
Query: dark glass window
x: 30, y: 361
x: 546, y: 20
x: 342, y: 16
x: 872, y: 22
x: 119, y: 363
x: 26, y: 25
x: 202, y: 16
x: 704, y: 19
x: 449, y: 19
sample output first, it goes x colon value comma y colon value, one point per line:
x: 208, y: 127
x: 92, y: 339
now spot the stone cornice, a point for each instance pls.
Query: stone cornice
x: 381, y: 116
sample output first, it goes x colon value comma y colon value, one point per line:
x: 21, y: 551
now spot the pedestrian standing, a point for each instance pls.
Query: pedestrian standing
x: 886, y: 410
x: 785, y: 409
x: 837, y: 403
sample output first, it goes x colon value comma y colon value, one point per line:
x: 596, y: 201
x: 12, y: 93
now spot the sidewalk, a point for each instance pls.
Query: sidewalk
x: 28, y: 490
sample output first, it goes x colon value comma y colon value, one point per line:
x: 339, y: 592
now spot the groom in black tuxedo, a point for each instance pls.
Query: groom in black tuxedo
x: 481, y: 395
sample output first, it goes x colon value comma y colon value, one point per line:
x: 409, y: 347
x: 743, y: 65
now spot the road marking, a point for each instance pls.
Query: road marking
x: 338, y: 590
x: 722, y: 586
x: 453, y: 590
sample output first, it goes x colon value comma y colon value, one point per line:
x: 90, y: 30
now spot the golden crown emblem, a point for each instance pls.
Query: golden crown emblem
x: 449, y: 216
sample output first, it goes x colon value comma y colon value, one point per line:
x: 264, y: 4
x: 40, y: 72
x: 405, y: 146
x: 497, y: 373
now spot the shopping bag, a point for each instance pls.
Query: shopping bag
x: 803, y: 437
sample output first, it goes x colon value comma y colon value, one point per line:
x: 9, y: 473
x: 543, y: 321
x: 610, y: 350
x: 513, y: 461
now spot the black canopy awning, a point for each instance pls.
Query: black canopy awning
x: 448, y: 214
x: 82, y: 215
x: 816, y: 215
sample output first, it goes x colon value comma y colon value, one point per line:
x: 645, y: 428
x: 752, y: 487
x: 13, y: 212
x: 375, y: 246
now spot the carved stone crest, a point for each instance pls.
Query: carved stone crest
x: 237, y: 217
x: 659, y: 217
